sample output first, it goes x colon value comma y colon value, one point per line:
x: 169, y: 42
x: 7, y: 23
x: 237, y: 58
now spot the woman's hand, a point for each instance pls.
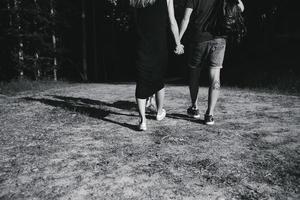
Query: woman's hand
x: 179, y: 49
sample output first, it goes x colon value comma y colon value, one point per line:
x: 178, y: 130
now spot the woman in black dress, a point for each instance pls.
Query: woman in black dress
x: 151, y: 25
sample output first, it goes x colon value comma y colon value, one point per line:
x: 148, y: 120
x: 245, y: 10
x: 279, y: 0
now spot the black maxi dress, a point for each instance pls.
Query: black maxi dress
x: 152, y: 52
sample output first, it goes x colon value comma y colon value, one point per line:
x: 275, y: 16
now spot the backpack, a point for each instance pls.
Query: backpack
x: 226, y: 19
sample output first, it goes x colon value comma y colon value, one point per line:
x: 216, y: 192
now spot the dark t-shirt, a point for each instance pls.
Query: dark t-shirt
x: 202, y: 10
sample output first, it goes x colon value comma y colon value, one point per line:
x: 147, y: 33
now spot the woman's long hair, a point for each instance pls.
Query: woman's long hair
x: 141, y: 3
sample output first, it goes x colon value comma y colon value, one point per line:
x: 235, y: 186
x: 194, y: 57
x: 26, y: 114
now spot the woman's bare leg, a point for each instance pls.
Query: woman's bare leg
x: 160, y: 97
x: 142, y: 109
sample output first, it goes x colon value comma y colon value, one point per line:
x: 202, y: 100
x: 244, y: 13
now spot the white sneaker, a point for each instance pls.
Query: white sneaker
x: 142, y: 126
x: 161, y: 116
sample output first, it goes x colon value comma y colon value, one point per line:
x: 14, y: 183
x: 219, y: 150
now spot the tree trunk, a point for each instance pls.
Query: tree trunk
x: 102, y: 47
x: 95, y: 42
x: 9, y: 16
x: 20, y: 41
x: 37, y: 71
x: 54, y: 58
x: 52, y: 13
x: 84, y: 48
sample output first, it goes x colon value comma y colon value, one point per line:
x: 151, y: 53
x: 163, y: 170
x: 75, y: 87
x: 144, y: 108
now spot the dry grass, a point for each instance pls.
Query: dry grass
x: 80, y: 142
x: 19, y: 86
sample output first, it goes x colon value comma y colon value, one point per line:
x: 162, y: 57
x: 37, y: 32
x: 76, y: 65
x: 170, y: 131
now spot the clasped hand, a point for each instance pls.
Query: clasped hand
x: 179, y: 49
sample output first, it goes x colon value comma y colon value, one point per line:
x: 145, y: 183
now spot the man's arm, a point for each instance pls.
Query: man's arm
x: 185, y: 21
x: 241, y: 5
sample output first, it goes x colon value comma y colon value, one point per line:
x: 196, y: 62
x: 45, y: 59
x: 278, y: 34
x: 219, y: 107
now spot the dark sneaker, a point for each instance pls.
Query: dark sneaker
x: 209, y: 119
x: 193, y: 112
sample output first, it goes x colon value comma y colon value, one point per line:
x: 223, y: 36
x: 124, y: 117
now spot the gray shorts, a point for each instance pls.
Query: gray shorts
x: 207, y: 54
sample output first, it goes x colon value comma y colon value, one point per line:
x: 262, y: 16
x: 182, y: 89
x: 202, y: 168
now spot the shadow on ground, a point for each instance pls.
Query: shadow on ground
x: 88, y: 107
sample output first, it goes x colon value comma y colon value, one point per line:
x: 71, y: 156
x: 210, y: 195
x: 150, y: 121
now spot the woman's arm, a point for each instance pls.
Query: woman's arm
x: 185, y: 21
x: 173, y: 22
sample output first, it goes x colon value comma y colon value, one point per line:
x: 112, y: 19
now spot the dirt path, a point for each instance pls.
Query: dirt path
x: 80, y: 143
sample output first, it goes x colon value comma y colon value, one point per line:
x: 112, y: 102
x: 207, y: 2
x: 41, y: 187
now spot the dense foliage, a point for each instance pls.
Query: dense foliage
x: 45, y: 38
x: 32, y: 37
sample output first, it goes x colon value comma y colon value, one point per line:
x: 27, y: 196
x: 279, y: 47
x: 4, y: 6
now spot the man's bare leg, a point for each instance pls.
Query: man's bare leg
x: 194, y: 85
x: 214, y: 90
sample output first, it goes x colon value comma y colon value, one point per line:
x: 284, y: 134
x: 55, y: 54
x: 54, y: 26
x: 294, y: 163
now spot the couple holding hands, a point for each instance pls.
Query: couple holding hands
x: 153, y: 17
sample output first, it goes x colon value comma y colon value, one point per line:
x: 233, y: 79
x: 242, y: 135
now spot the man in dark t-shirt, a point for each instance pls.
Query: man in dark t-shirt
x: 201, y: 10
x: 205, y: 50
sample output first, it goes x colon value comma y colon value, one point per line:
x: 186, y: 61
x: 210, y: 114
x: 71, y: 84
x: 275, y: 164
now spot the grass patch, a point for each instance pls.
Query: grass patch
x: 18, y: 86
x: 79, y: 142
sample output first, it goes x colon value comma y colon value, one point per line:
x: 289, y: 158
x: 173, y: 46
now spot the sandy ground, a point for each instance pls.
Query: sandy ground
x: 80, y: 142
